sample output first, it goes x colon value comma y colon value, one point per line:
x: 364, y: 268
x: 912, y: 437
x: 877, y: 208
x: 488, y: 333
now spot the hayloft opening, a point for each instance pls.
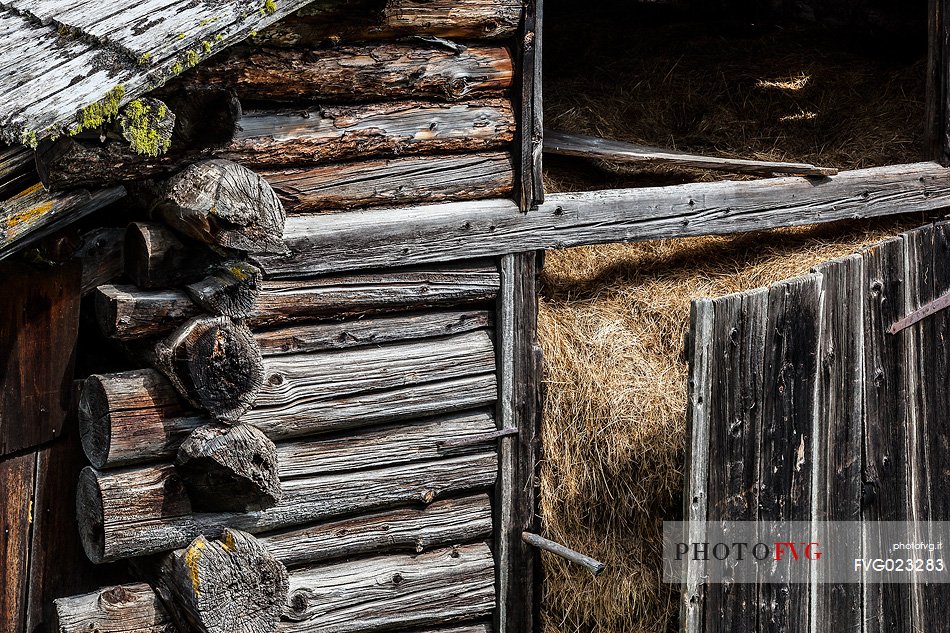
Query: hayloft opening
x: 835, y: 84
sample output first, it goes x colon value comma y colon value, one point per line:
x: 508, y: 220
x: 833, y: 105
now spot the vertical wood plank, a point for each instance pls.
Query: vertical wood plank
x: 938, y: 82
x: 530, y: 129
x: 39, y: 323
x: 838, y: 440
x: 16, y: 499
x: 789, y: 379
x: 519, y: 367
x: 886, y: 606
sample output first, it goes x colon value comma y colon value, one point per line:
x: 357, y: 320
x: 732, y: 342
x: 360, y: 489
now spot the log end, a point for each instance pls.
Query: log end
x: 91, y: 515
x: 231, y: 289
x: 95, y: 422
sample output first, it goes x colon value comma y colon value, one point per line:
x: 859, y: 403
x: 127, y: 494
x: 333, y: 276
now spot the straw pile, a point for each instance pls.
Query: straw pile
x: 613, y: 318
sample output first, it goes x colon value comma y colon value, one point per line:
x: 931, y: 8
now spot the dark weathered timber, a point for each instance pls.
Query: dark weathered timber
x: 17, y: 170
x: 101, y: 255
x: 39, y: 326
x: 223, y: 204
x: 394, y: 181
x: 229, y: 469
x: 331, y: 21
x: 140, y: 511
x: 937, y: 130
x: 886, y: 606
x: 206, y: 116
x: 414, y: 530
x: 316, y: 337
x: 370, y: 72
x: 16, y: 490
x: 224, y: 585
x: 412, y: 235
x: 118, y: 609
x: 35, y: 213
x: 126, y: 313
x: 566, y: 144
x: 334, y: 133
x: 531, y: 131
x: 231, y: 289
x: 215, y: 364
x: 157, y: 258
x: 391, y: 592
x: 595, y: 567
x: 519, y: 368
x: 148, y: 433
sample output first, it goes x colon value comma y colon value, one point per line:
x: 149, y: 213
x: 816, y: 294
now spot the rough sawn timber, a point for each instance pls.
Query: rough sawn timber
x: 396, y: 181
x: 375, y: 72
x: 413, y: 235
x: 388, y: 592
x: 140, y: 511
x: 119, y: 609
x: 333, y: 133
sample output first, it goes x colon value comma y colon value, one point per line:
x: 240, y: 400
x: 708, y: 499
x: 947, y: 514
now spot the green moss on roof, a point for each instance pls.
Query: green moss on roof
x: 100, y: 112
x: 192, y: 58
x: 139, y: 127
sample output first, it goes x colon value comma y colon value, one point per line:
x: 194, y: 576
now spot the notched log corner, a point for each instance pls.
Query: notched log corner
x: 215, y: 364
x: 226, y: 585
x: 231, y: 289
x: 229, y: 469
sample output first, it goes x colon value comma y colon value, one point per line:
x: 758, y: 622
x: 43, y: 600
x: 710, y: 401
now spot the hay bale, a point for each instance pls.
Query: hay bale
x: 612, y: 324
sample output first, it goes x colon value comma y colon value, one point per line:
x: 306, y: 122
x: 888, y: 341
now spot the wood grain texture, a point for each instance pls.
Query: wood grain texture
x: 140, y: 511
x: 125, y: 312
x: 335, y: 133
x: 384, y: 237
x: 101, y: 255
x: 531, y: 132
x: 118, y: 609
x: 937, y: 130
x: 16, y: 493
x: 387, y: 592
x: 395, y: 181
x: 368, y: 72
x: 416, y: 530
x: 39, y: 326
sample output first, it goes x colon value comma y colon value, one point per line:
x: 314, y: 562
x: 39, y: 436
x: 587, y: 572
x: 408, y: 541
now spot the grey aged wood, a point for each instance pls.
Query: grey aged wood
x: 101, y: 253
x: 334, y: 133
x: 224, y: 204
x: 384, y: 237
x: 595, y: 567
x: 231, y: 289
x: 140, y: 511
x: 531, y: 131
x: 157, y: 258
x: 215, y: 364
x: 394, y: 181
x: 386, y: 592
x: 416, y: 530
x: 937, y: 130
x: 125, y: 312
x: 118, y: 609
x: 332, y: 21
x: 229, y: 469
x: 17, y: 170
x: 230, y: 584
x: 566, y: 144
x: 368, y: 72
x: 120, y: 437
x: 294, y: 339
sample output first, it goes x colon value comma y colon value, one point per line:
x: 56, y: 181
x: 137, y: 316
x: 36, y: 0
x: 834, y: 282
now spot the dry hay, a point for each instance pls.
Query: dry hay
x: 612, y: 325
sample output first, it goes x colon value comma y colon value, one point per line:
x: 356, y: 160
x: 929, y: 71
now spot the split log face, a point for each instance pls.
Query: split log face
x: 229, y: 469
x: 390, y: 592
x: 215, y: 364
x: 230, y: 290
x: 119, y: 609
x: 382, y: 129
x: 382, y: 72
x: 224, y: 204
x: 394, y: 182
x: 231, y: 585
x: 155, y: 257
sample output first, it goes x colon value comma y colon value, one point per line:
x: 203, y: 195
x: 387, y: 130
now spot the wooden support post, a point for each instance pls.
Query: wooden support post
x: 593, y: 566
x: 519, y: 360
x: 531, y: 131
x: 938, y: 82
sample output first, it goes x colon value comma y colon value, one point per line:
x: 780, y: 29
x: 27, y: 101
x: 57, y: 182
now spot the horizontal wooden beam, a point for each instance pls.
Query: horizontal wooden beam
x: 595, y: 147
x: 414, y: 235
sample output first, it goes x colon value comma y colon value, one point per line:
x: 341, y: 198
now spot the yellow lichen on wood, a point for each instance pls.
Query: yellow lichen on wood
x: 192, y: 558
x: 100, y: 112
x: 147, y: 125
x: 228, y: 542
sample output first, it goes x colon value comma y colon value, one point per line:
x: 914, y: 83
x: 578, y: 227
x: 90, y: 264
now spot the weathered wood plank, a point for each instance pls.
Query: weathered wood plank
x: 937, y: 131
x: 125, y: 312
x: 335, y: 133
x: 118, y: 609
x: 395, y: 181
x: 39, y: 326
x: 316, y: 337
x: 16, y: 493
x: 531, y: 132
x: 389, y: 592
x: 334, y: 21
x: 566, y: 144
x: 369, y: 72
x: 140, y: 511
x: 416, y: 530
x: 385, y: 237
